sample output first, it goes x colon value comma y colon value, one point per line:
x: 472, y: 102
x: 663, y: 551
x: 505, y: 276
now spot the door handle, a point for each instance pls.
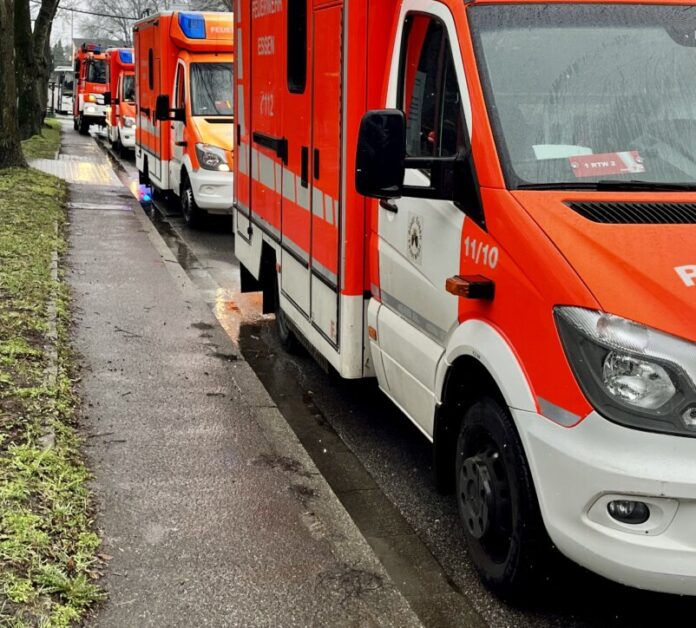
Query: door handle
x: 316, y: 163
x: 389, y: 205
x: 277, y: 144
x: 184, y: 144
x: 304, y: 167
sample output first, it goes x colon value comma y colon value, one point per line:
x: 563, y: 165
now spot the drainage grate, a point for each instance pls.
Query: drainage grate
x: 637, y: 213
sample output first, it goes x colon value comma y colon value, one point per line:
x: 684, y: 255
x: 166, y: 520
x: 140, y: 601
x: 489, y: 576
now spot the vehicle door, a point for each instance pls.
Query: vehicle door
x: 420, y: 239
x: 178, y: 143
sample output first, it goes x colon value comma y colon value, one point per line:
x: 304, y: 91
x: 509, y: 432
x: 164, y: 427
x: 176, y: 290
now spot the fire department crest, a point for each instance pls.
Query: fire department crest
x: 415, y: 238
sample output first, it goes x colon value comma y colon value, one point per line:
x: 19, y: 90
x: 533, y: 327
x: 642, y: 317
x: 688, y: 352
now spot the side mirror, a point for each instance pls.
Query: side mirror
x: 379, y: 166
x: 107, y: 98
x: 162, y: 107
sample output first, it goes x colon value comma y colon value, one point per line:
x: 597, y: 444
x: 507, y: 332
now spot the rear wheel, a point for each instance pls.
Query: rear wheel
x: 193, y: 215
x: 497, y: 502
x: 287, y: 337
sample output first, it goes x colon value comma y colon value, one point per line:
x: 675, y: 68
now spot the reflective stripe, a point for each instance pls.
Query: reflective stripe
x: 243, y: 158
x: 322, y: 270
x: 302, y: 194
x: 329, y: 209
x: 557, y: 414
x: 240, y: 109
x: 289, y: 185
x: 422, y: 323
x: 240, y: 67
x: 297, y: 250
x: 254, y: 164
x: 278, y: 177
x: 266, y: 170
x: 317, y: 202
x: 147, y: 126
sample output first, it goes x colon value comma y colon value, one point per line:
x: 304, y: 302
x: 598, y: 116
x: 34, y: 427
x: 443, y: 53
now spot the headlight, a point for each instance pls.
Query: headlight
x: 212, y: 157
x: 128, y: 122
x: 631, y: 374
x: 91, y: 98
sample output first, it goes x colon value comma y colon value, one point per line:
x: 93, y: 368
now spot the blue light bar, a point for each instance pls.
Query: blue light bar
x: 192, y: 25
x: 126, y: 56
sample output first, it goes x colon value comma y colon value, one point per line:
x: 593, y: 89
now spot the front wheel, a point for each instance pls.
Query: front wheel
x: 497, y: 502
x: 84, y: 126
x: 192, y: 213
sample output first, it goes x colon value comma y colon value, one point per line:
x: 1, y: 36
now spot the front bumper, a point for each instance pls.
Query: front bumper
x: 94, y: 111
x: 127, y: 136
x: 213, y: 190
x: 578, y: 470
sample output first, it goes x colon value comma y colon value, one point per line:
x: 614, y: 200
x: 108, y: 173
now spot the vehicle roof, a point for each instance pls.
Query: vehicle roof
x: 605, y: 2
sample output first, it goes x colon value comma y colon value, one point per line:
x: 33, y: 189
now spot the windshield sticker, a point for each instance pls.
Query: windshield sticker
x: 627, y: 162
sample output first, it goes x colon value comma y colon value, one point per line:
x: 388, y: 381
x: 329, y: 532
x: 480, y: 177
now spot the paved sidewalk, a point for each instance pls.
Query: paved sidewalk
x: 212, y: 511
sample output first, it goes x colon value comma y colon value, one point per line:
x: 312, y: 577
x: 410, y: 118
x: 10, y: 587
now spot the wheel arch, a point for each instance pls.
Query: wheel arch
x: 478, y: 362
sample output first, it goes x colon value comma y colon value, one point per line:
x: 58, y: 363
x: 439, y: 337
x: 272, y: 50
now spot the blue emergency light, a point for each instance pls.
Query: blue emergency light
x: 192, y: 25
x: 126, y: 56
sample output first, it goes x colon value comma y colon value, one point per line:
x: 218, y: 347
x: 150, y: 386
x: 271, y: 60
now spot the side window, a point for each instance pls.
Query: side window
x: 180, y: 87
x: 297, y: 46
x: 429, y: 93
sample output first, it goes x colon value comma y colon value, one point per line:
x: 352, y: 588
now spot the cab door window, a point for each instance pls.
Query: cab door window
x: 180, y: 96
x: 429, y: 92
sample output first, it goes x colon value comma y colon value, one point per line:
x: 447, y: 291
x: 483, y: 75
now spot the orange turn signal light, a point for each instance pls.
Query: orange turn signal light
x: 471, y: 287
x: 372, y: 332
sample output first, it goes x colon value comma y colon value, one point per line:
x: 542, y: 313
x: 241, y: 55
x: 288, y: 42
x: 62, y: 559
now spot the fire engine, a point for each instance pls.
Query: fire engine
x: 185, y: 131
x: 120, y: 113
x: 489, y: 206
x: 88, y: 95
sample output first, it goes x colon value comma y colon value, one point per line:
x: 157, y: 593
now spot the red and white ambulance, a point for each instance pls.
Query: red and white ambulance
x: 491, y: 207
x: 120, y: 112
x: 90, y: 85
x: 185, y: 129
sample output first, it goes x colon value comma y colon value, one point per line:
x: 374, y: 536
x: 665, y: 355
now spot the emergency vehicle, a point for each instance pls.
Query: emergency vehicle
x: 90, y: 80
x: 120, y: 112
x: 185, y: 130
x: 490, y: 206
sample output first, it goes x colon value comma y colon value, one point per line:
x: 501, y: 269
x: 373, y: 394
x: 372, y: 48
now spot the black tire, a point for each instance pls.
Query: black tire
x: 75, y: 124
x: 285, y: 334
x: 120, y: 148
x: 497, y: 502
x: 193, y: 215
x: 83, y: 126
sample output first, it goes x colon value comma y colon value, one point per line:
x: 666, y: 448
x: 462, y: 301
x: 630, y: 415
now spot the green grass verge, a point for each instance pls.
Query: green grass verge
x: 43, y: 146
x: 48, y: 563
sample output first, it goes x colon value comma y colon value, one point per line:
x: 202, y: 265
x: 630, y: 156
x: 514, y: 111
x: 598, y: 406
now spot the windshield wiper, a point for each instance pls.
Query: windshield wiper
x: 609, y: 185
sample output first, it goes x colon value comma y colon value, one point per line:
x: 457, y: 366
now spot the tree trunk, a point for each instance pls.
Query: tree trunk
x: 41, y: 37
x: 25, y: 70
x: 10, y: 148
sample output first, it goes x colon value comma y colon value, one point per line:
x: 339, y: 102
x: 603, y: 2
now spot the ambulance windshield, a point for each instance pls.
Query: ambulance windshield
x: 590, y: 95
x: 96, y: 71
x: 211, y: 89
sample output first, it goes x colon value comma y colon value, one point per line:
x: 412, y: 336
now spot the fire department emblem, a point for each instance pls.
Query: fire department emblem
x: 415, y: 238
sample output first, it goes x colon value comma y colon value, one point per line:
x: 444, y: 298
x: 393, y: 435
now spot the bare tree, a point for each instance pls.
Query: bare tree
x: 10, y: 147
x: 211, y: 5
x: 118, y: 25
x: 32, y: 63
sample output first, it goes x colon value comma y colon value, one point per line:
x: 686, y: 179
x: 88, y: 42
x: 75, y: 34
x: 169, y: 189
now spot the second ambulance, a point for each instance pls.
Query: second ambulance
x: 491, y: 207
x: 120, y: 113
x: 185, y: 130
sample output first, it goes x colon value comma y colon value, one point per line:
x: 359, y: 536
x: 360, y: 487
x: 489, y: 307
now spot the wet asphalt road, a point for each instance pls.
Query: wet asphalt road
x: 396, y: 456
